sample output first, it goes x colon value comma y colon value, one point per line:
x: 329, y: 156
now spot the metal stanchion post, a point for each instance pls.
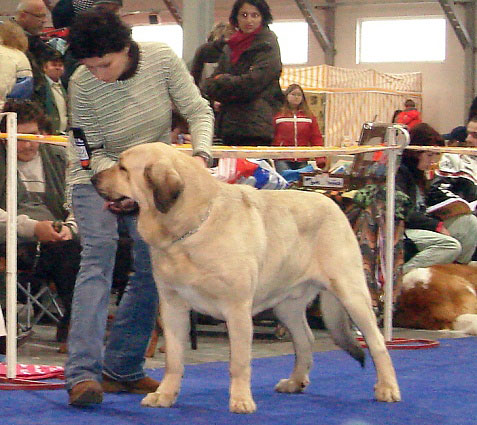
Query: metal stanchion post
x: 11, y: 238
x: 389, y: 239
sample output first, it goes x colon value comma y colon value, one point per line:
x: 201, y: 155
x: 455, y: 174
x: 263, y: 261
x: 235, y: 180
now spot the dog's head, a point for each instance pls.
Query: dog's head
x: 140, y: 171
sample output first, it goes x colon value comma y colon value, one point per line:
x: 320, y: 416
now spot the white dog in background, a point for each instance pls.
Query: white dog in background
x: 231, y: 251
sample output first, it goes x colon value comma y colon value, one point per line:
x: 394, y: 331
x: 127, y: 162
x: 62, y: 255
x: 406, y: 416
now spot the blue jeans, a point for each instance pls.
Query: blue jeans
x: 135, y: 317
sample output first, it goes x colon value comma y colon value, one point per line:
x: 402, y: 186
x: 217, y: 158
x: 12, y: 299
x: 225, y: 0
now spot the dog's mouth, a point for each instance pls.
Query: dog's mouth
x: 108, y: 197
x: 118, y: 200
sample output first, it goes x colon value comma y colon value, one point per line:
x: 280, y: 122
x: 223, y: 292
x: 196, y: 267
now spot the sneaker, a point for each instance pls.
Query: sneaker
x: 144, y: 385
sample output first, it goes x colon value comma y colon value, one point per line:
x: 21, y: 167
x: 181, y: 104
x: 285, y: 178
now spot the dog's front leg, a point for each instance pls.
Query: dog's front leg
x: 175, y: 321
x: 240, y: 329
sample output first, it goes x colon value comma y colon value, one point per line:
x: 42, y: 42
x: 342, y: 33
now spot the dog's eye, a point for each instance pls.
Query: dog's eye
x: 122, y: 168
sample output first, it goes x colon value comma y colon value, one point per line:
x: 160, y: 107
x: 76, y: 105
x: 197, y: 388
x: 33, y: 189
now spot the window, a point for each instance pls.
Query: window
x: 401, y: 40
x: 169, y: 34
x: 293, y: 40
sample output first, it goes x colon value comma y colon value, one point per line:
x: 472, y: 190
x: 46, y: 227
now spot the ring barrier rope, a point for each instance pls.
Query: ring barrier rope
x: 272, y: 152
x: 218, y: 151
x: 10, y: 384
x: 405, y: 343
x: 32, y: 377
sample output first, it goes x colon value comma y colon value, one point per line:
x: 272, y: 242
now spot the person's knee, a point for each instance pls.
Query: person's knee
x: 465, y: 226
x: 450, y: 249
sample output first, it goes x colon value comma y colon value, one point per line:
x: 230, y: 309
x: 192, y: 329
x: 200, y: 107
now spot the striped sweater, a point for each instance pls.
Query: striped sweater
x: 115, y: 116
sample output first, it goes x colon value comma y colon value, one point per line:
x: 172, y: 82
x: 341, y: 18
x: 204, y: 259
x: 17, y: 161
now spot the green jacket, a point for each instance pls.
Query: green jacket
x: 54, y: 166
x: 49, y: 104
x: 250, y: 93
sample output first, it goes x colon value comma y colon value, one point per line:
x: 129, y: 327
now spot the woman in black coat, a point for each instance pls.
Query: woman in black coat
x: 245, y: 86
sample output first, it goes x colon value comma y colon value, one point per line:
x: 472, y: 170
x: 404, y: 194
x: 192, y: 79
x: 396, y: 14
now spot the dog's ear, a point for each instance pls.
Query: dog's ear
x: 166, y: 185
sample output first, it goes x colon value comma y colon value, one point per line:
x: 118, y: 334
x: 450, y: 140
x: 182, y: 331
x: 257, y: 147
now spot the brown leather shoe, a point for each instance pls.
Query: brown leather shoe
x: 144, y: 385
x: 86, y: 393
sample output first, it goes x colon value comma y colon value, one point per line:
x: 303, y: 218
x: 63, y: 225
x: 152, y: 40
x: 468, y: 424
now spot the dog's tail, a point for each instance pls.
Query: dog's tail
x: 339, y: 325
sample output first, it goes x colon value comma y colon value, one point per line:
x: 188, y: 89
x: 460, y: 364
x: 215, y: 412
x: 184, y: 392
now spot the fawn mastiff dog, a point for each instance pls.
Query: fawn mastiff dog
x: 231, y: 251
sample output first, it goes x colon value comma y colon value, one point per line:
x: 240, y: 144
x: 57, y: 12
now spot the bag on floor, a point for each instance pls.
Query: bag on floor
x: 253, y: 172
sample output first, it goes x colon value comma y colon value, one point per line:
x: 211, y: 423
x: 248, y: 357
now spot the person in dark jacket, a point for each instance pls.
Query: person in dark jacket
x: 209, y: 53
x: 53, y: 94
x: 31, y: 16
x: 246, y: 81
x: 457, y: 173
x: 437, y: 241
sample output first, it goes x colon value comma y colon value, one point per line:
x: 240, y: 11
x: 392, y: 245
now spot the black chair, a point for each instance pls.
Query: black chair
x: 39, y: 299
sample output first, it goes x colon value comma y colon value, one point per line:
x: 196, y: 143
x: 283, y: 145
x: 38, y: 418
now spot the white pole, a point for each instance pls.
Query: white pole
x: 389, y: 239
x: 11, y: 239
x: 390, y: 213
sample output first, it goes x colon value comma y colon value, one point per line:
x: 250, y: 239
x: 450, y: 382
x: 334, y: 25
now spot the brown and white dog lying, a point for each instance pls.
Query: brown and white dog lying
x: 231, y: 251
x: 439, y: 297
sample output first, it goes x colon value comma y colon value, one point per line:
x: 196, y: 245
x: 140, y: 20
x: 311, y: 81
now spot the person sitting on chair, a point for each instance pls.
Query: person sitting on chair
x: 42, y: 219
x: 435, y: 239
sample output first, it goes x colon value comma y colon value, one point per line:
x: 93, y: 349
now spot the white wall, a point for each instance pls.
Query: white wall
x: 443, y: 83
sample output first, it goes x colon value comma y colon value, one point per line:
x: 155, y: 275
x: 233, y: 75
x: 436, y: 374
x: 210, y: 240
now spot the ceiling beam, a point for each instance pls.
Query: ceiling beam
x: 326, y: 44
x: 456, y: 23
x: 174, y: 10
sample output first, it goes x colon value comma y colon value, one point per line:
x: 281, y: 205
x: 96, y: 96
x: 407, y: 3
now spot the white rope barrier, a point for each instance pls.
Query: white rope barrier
x: 273, y: 152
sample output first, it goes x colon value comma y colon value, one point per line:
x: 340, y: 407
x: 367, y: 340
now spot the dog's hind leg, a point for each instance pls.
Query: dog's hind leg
x: 338, y: 323
x: 240, y: 330
x: 355, y: 299
x: 292, y: 313
x: 175, y: 319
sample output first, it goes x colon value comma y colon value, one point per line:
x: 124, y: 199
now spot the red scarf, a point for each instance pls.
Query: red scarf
x: 239, y: 42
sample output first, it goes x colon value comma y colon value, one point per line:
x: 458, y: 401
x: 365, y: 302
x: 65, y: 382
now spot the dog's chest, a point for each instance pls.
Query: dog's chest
x: 186, y: 278
x: 199, y: 301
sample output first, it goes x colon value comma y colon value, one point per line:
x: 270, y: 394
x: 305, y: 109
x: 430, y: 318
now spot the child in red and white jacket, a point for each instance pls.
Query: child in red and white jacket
x: 295, y: 125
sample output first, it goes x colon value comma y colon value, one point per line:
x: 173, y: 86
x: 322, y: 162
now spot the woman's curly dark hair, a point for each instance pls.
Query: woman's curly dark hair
x: 261, y: 5
x: 95, y: 34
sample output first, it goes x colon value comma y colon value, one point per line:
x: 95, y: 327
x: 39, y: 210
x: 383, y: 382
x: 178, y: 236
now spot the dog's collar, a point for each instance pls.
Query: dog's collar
x: 195, y: 230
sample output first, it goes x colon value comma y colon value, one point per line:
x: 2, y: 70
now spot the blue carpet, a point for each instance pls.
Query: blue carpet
x: 437, y: 386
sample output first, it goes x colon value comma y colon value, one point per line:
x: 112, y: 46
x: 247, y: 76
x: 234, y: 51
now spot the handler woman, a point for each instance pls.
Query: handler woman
x: 121, y: 96
x: 246, y: 81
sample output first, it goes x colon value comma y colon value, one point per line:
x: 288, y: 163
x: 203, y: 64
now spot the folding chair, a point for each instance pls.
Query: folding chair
x: 41, y: 300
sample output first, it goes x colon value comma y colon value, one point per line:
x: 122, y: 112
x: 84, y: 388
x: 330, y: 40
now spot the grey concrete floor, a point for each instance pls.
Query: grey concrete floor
x: 42, y: 348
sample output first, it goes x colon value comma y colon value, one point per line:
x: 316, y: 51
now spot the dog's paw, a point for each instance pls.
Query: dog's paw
x: 158, y: 400
x: 291, y: 386
x: 389, y: 393
x: 242, y: 405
